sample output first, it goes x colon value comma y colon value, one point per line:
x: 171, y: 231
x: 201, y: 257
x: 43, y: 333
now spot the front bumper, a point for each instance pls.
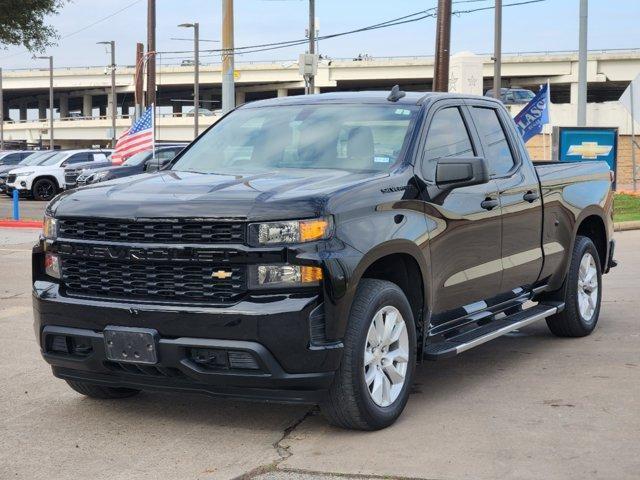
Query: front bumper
x: 275, y: 331
x: 177, y: 371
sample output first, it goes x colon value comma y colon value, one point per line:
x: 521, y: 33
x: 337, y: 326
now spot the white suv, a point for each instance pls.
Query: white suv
x: 44, y: 181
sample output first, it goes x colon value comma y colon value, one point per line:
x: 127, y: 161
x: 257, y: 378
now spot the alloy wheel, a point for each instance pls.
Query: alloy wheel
x: 386, y: 356
x: 587, y: 287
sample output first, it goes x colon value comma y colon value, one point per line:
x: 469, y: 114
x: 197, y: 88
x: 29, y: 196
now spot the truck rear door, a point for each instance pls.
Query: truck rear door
x: 519, y: 193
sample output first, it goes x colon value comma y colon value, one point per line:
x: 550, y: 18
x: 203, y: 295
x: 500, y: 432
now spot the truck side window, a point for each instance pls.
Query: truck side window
x: 499, y: 156
x: 447, y: 137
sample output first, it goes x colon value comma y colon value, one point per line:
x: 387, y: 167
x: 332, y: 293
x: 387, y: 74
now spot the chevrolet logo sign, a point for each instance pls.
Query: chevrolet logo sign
x: 221, y: 275
x: 590, y: 150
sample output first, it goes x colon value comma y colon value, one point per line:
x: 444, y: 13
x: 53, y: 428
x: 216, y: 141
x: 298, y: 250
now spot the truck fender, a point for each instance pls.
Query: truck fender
x: 355, y: 273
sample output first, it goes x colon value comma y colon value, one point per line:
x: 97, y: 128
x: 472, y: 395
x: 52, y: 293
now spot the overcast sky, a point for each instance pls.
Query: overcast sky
x: 546, y: 26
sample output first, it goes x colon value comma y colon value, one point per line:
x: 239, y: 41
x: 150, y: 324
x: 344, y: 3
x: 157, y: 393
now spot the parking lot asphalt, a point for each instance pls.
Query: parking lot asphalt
x: 29, y: 209
x: 525, y: 406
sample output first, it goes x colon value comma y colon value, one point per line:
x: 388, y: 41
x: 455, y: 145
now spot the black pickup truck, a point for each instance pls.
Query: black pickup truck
x: 316, y: 249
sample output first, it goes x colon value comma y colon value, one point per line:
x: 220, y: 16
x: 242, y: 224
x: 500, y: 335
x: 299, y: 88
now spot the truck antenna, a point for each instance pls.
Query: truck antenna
x: 396, y: 94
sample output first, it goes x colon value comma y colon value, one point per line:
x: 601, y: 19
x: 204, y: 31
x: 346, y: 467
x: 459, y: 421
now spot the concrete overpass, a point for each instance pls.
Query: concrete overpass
x: 82, y: 94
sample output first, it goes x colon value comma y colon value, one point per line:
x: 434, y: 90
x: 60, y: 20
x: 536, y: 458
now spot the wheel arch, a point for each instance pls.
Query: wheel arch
x: 46, y: 177
x: 397, y: 261
x: 592, y: 224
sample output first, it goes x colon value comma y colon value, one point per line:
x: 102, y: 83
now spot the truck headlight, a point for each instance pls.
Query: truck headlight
x: 284, y: 276
x: 50, y: 228
x: 290, y: 231
x: 24, y: 174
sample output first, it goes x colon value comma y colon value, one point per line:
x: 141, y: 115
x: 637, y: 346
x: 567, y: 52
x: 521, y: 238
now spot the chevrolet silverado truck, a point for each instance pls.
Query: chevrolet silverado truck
x: 317, y: 249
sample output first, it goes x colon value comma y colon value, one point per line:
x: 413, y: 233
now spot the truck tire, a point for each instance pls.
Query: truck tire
x: 103, y: 393
x: 372, y: 384
x: 44, y: 189
x: 582, y: 293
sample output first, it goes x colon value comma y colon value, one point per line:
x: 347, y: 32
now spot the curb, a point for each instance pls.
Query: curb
x: 20, y: 224
x: 623, y: 226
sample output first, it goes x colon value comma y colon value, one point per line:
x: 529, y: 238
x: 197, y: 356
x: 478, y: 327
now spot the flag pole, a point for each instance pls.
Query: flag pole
x: 153, y: 142
x: 549, y: 123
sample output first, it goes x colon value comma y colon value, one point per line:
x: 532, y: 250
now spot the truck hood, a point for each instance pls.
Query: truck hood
x: 281, y: 194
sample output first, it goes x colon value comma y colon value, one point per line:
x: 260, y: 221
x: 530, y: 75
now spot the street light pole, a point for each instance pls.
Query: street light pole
x: 582, y: 64
x: 497, y: 51
x: 196, y: 75
x: 114, y: 95
x: 51, y: 139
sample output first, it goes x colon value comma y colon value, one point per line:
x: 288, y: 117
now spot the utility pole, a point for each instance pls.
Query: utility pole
x: 196, y: 75
x: 582, y: 64
x: 1, y: 113
x: 139, y: 79
x: 312, y: 42
x: 443, y: 46
x: 228, y: 87
x: 497, y: 51
x: 151, y: 52
x: 114, y: 95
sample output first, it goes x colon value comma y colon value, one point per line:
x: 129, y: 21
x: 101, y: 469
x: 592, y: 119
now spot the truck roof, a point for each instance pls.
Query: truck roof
x: 372, y: 96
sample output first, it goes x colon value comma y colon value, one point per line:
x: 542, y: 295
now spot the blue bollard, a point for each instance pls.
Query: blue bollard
x: 16, y: 205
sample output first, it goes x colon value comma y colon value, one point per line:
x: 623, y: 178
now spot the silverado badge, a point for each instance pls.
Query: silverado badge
x: 221, y: 275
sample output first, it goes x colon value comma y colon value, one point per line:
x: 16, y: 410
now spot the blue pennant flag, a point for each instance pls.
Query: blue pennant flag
x: 532, y: 117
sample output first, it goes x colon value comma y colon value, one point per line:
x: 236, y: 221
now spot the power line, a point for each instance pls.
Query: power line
x: 87, y: 27
x: 413, y: 17
x: 101, y: 20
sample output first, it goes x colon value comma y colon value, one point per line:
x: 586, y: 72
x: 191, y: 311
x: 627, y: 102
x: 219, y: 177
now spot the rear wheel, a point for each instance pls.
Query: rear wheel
x: 44, y: 189
x: 103, y: 393
x: 582, y: 295
x: 371, y: 387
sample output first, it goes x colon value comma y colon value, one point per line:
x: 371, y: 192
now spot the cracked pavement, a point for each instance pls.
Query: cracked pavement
x: 525, y: 406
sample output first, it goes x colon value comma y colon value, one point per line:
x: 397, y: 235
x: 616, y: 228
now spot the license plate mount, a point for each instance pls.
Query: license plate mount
x: 131, y: 345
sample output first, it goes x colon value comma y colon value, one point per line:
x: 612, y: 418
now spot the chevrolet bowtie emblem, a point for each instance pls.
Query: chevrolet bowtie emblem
x: 221, y: 275
x: 589, y: 150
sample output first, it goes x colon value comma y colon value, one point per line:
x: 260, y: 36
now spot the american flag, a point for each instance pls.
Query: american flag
x: 138, y: 138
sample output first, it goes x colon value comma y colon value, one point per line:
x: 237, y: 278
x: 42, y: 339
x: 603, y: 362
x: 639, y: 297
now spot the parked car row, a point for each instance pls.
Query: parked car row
x: 43, y: 174
x: 144, y: 162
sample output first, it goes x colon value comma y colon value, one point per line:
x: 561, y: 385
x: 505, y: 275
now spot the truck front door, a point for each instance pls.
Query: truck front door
x: 464, y: 223
x: 519, y: 193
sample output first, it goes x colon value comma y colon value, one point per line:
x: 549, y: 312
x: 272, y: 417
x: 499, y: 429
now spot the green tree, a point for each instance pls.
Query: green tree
x: 22, y: 22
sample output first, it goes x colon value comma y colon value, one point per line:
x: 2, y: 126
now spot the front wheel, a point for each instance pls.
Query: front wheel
x: 44, y: 189
x: 372, y: 385
x: 583, y: 293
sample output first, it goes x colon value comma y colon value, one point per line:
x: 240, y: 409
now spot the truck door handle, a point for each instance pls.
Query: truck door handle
x: 531, y: 196
x: 489, y: 203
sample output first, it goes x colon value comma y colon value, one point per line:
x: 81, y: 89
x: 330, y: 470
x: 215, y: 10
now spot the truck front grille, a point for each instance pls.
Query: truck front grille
x: 12, y: 178
x: 151, y: 281
x: 181, y: 231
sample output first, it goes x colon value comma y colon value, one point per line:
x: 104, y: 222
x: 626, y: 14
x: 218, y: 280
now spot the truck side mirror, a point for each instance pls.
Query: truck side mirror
x: 454, y: 172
